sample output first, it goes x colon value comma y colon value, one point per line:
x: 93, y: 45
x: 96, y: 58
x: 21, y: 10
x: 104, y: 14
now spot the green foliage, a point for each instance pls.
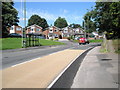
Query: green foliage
x: 36, y: 19
x: 104, y: 17
x: 9, y: 16
x: 75, y: 25
x: 108, y: 17
x: 60, y: 22
x: 88, y: 24
x: 55, y: 39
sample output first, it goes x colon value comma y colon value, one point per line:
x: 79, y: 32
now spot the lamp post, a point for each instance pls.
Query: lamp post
x: 24, y: 30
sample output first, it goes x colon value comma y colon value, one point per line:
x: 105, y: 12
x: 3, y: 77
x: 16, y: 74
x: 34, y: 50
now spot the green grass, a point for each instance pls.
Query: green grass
x: 93, y: 41
x: 14, y: 43
x: 49, y: 42
x: 96, y: 41
x: 11, y: 43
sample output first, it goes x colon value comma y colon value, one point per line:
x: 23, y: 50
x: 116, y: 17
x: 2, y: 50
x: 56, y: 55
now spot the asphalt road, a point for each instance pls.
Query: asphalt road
x: 13, y: 57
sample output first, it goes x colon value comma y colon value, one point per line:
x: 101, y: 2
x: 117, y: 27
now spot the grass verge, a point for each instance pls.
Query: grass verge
x: 96, y: 41
x: 92, y: 41
x: 14, y: 43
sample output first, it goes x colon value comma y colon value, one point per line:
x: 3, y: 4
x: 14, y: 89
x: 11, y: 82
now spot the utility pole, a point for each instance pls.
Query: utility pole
x: 24, y: 29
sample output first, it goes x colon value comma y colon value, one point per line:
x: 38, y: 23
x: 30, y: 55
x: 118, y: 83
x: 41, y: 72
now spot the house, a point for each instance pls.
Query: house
x: 52, y: 32
x: 67, y: 32
x: 62, y: 33
x: 78, y: 32
x: 34, y: 29
x: 96, y: 35
x: 15, y: 29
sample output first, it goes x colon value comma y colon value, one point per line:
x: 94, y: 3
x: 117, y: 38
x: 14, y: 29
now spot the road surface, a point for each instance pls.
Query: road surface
x: 13, y: 57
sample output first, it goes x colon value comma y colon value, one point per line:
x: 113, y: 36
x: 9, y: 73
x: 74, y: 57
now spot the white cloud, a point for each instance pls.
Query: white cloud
x: 42, y: 13
x: 65, y: 11
x: 49, y: 16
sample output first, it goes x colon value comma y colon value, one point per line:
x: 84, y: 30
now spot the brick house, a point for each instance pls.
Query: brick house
x: 52, y: 32
x: 63, y: 33
x: 15, y: 29
x: 78, y: 32
x: 34, y: 29
x: 67, y: 32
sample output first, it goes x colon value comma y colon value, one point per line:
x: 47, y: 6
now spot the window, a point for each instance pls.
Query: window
x: 55, y: 30
x: 37, y: 29
x: 65, y: 31
x: 32, y: 29
x: 18, y: 29
x: 11, y: 28
x: 51, y: 31
x: 55, y: 35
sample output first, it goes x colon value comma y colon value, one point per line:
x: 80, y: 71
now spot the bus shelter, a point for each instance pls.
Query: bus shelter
x: 32, y: 39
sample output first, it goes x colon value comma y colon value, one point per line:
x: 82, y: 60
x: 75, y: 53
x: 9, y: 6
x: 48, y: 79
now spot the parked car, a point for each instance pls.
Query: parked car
x: 41, y: 37
x: 77, y: 38
x: 14, y: 35
x: 83, y: 41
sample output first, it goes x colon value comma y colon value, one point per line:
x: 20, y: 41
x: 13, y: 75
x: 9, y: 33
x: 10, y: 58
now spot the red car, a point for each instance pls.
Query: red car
x: 83, y: 41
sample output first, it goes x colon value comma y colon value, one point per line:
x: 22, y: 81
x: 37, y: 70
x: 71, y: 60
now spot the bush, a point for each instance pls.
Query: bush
x: 55, y: 39
x: 68, y: 38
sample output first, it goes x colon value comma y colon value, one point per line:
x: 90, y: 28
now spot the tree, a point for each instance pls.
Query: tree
x: 75, y: 25
x: 36, y: 19
x: 9, y: 17
x: 88, y: 24
x: 60, y: 22
x: 106, y: 17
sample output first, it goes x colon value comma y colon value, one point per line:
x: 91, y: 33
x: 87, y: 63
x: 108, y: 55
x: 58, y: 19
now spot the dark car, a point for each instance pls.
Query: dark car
x: 41, y: 37
x: 14, y: 35
x: 83, y: 41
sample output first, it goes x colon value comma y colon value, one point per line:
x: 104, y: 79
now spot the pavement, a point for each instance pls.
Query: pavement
x: 98, y: 70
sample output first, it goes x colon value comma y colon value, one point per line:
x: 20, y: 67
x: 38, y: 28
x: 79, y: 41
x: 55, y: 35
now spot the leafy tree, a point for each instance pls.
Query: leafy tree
x: 36, y: 19
x: 9, y: 16
x: 75, y: 25
x: 88, y: 24
x: 60, y: 22
x: 106, y: 17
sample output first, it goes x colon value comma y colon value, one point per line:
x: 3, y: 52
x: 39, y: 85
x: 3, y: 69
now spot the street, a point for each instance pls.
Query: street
x: 10, y: 58
x: 41, y: 72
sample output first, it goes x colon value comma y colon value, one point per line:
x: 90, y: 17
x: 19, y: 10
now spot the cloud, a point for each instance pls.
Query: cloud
x: 65, y: 11
x: 49, y: 16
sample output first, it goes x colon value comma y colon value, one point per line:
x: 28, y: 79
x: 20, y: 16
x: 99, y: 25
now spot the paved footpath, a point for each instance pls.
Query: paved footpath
x: 38, y: 73
x: 98, y: 70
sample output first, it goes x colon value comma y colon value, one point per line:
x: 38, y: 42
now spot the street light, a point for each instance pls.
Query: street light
x: 24, y: 32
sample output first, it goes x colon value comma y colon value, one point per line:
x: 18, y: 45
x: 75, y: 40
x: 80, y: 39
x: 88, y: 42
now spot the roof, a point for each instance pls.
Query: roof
x: 34, y: 25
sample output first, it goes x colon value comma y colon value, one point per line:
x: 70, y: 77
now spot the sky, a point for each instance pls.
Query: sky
x: 73, y: 12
